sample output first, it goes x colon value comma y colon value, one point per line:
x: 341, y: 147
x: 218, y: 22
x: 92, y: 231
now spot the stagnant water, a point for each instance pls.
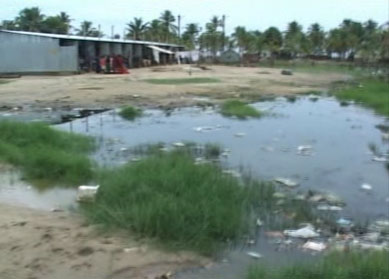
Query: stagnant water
x: 341, y: 160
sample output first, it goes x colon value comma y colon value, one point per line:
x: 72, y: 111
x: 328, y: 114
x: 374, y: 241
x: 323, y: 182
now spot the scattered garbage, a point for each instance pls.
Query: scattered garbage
x: 259, y: 222
x: 328, y: 198
x: 240, y: 135
x: 326, y: 207
x: 315, y: 246
x: 344, y: 223
x: 254, y: 255
x: 305, y: 150
x: 179, y: 144
x: 366, y: 187
x: 233, y: 173
x: 287, y: 72
x: 87, y: 193
x: 380, y: 159
x: 204, y: 128
x: 286, y: 181
x: 306, y: 232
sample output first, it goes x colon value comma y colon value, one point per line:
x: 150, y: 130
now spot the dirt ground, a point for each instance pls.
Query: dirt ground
x: 58, y: 245
x: 97, y: 90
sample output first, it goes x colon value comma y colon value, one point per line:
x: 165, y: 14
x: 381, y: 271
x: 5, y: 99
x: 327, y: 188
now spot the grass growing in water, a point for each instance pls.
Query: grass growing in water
x: 178, y: 81
x: 371, y: 93
x: 44, y: 153
x: 169, y: 198
x: 239, y: 109
x: 352, y: 265
x: 130, y: 113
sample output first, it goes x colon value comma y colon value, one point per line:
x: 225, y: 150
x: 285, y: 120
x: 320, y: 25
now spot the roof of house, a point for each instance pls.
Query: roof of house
x: 82, y: 38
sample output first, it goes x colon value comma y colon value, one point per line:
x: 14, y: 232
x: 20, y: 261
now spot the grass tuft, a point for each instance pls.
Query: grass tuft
x: 169, y: 198
x: 239, y: 109
x: 44, y: 153
x: 352, y: 265
x: 179, y: 81
x: 370, y: 93
x: 130, y: 113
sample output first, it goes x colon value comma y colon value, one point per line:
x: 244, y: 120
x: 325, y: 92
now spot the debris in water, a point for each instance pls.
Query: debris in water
x: 279, y: 195
x: 204, y: 128
x: 326, y: 207
x: 306, y: 232
x: 179, y: 144
x: 233, y: 173
x: 287, y: 182
x: 380, y: 159
x: 259, y: 222
x: 240, y: 135
x: 385, y: 136
x: 344, y: 223
x: 315, y: 246
x: 267, y: 148
x: 366, y: 187
x: 304, y: 150
x: 123, y: 149
x: 254, y: 255
x: 87, y: 193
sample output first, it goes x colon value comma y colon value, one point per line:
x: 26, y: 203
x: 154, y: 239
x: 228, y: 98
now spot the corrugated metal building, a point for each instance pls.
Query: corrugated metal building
x: 33, y: 53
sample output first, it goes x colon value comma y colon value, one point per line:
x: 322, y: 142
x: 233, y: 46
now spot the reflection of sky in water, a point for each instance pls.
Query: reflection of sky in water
x: 341, y: 160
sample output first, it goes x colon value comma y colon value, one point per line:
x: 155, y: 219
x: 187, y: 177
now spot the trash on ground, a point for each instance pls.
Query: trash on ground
x: 254, y: 255
x: 287, y: 72
x: 286, y: 181
x: 315, y: 246
x: 306, y: 232
x: 366, y: 187
x: 87, y: 193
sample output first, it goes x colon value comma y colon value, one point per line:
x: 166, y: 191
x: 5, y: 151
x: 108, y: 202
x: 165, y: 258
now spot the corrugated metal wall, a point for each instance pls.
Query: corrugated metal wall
x: 34, y: 54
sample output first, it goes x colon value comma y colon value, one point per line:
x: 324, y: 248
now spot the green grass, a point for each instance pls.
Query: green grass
x: 130, y: 113
x: 238, y: 109
x: 339, y: 265
x: 46, y: 154
x: 372, y: 94
x: 167, y: 197
x: 4, y: 82
x: 179, y: 81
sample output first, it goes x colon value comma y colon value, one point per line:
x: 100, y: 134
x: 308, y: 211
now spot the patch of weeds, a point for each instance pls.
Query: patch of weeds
x: 130, y: 113
x: 44, y: 153
x: 169, y: 198
x: 371, y: 93
x: 351, y: 265
x: 179, y: 81
x: 383, y: 128
x: 239, y: 109
x: 4, y: 82
x: 212, y: 150
x: 291, y: 98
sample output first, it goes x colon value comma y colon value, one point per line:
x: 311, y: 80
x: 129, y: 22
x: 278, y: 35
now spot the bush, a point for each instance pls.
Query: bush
x: 130, y: 113
x: 239, y: 109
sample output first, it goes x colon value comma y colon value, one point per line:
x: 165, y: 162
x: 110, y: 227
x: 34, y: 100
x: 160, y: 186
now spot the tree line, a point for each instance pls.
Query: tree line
x: 369, y: 39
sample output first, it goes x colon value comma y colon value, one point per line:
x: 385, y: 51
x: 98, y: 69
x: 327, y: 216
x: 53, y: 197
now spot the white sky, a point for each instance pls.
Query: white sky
x: 254, y: 14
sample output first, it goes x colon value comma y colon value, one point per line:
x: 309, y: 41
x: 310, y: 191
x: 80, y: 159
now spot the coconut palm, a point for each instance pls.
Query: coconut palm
x: 293, y: 38
x: 137, y: 28
x: 167, y: 19
x: 30, y: 19
x: 87, y: 29
x: 189, y: 37
x: 316, y: 37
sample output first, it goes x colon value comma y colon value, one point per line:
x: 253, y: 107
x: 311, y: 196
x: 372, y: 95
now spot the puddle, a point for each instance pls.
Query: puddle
x: 319, y: 144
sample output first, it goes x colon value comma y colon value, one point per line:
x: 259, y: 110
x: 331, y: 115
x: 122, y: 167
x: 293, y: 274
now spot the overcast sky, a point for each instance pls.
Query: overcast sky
x: 254, y: 14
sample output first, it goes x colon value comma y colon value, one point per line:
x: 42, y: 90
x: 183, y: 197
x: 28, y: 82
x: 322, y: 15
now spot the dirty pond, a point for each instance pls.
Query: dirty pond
x: 314, y: 141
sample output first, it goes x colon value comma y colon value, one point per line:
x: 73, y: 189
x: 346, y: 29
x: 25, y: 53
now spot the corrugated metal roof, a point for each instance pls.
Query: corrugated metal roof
x: 81, y: 38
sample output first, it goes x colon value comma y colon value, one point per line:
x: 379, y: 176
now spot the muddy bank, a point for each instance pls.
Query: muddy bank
x: 101, y: 91
x: 41, y: 244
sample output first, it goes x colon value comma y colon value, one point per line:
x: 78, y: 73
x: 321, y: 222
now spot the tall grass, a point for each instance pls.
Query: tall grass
x: 179, y: 81
x: 238, y: 109
x: 44, y: 153
x: 130, y: 113
x: 371, y: 93
x: 338, y: 265
x: 183, y: 205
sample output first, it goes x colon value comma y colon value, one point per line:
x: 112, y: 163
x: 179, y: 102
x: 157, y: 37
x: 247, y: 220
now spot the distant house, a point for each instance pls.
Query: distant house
x: 33, y: 53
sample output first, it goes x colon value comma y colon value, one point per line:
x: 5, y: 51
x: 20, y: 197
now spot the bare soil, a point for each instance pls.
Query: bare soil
x: 98, y: 90
x: 58, y: 245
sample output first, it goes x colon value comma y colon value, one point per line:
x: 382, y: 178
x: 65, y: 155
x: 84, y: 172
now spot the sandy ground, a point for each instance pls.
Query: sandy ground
x: 58, y: 245
x: 93, y: 90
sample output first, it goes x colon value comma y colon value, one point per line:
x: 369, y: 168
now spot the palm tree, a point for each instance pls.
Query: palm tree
x: 54, y: 24
x: 137, y: 28
x: 293, y: 38
x: 316, y: 37
x: 189, y: 37
x: 241, y: 38
x: 167, y: 19
x: 30, y: 19
x: 65, y: 19
x: 86, y: 29
x: 272, y: 39
x: 154, y: 31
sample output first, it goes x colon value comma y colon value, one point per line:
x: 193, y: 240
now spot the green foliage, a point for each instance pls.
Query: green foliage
x: 370, y: 93
x: 137, y: 28
x: 130, y: 113
x: 239, y: 109
x: 179, y: 81
x: 169, y: 198
x: 351, y: 265
x: 44, y: 153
